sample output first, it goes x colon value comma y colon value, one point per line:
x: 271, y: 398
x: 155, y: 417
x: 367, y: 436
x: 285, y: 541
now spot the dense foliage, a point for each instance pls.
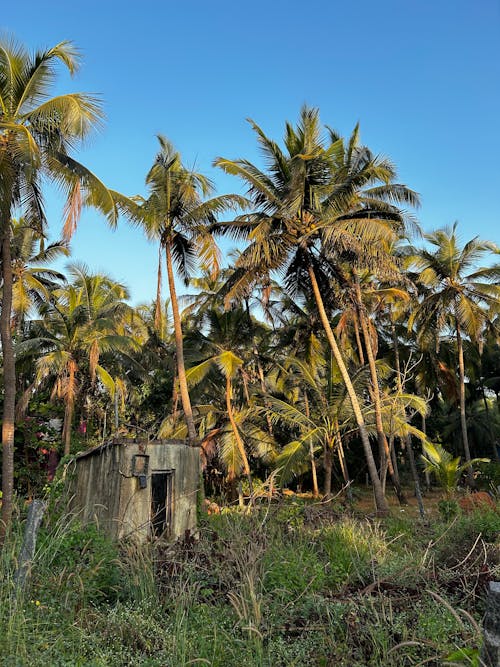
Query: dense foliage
x: 336, y: 346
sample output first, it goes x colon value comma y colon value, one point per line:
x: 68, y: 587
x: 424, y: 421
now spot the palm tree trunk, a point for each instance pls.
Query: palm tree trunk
x: 237, y: 437
x: 181, y: 368
x: 69, y: 409
x: 394, y: 459
x: 311, y: 451
x: 381, y: 438
x: 358, y: 341
x: 9, y: 381
x: 327, y: 466
x: 343, y: 462
x: 380, y: 500
x: 427, y: 473
x: 408, y: 442
x: 116, y: 411
x: 260, y: 370
x: 314, y: 472
x: 463, y: 418
x: 158, y: 305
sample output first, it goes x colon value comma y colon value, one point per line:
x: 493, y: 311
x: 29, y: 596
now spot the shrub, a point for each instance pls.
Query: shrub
x: 292, y: 567
x: 351, y: 548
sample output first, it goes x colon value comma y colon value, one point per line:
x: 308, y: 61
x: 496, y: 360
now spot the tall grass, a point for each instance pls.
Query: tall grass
x: 266, y: 589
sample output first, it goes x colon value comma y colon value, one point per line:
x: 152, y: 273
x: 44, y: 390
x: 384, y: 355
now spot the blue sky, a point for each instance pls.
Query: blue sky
x: 423, y: 79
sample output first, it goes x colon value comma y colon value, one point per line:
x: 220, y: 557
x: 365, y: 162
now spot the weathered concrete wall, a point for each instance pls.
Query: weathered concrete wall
x: 95, y: 488
x: 106, y: 491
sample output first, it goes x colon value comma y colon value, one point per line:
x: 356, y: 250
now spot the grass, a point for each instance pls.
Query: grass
x: 293, y: 584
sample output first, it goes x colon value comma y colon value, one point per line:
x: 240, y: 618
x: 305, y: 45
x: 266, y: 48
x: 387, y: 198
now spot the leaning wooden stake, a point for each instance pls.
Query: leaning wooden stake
x: 35, y: 516
x: 490, y: 653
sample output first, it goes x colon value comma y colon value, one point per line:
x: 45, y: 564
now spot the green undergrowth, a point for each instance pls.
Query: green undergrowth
x: 294, y: 584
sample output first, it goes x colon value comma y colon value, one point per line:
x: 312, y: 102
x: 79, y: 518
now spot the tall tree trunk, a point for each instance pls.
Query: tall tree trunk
x: 381, y: 438
x: 311, y: 451
x: 408, y: 442
x: 327, y: 467
x: 69, y: 409
x: 260, y: 370
x: 116, y: 410
x: 237, y: 436
x: 358, y: 341
x: 181, y: 368
x: 427, y: 474
x: 343, y: 462
x: 394, y: 458
x: 158, y: 305
x: 313, y: 470
x: 380, y: 500
x: 9, y: 381
x: 463, y: 418
x: 244, y: 378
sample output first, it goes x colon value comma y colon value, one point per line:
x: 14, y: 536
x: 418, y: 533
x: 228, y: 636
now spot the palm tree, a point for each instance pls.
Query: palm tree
x: 207, y: 297
x: 32, y: 279
x: 363, y: 294
x: 316, y: 200
x: 175, y: 215
x: 313, y: 404
x: 37, y: 133
x: 459, y: 299
x: 80, y: 323
x: 446, y: 468
x: 229, y: 364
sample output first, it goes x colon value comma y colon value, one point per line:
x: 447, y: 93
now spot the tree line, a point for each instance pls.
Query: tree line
x: 340, y: 339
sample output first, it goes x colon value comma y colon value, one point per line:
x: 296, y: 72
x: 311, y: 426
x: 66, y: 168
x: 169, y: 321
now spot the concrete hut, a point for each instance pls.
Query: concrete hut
x: 138, y: 490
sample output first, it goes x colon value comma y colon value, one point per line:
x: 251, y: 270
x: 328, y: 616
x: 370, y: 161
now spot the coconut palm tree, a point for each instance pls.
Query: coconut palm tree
x: 364, y: 296
x: 316, y: 199
x: 446, y: 468
x: 460, y: 299
x: 175, y: 215
x: 32, y: 278
x: 37, y: 134
x: 314, y: 405
x: 80, y: 323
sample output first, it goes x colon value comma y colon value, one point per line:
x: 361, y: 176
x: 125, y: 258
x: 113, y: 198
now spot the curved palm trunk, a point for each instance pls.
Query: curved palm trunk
x: 237, y: 437
x: 9, y: 380
x: 381, y: 437
x: 380, y: 500
x: 408, y: 442
x: 181, y: 368
x: 463, y: 418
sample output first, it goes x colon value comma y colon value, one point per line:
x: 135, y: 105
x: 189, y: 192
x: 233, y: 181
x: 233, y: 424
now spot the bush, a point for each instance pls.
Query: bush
x: 292, y: 567
x: 448, y: 508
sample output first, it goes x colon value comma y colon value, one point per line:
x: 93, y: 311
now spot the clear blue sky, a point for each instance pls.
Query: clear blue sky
x: 423, y: 79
